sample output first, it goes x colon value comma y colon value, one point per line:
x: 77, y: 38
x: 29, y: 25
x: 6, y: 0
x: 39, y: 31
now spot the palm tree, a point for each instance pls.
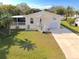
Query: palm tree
x: 69, y: 12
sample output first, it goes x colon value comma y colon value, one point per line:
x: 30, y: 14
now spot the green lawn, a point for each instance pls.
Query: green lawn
x: 71, y: 27
x: 45, y: 46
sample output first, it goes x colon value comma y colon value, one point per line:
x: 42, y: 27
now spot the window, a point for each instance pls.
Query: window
x: 40, y: 20
x: 31, y: 21
x: 21, y: 19
x: 41, y: 24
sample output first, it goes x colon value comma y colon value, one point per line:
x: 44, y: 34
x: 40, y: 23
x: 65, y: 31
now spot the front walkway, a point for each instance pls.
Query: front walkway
x: 68, y: 42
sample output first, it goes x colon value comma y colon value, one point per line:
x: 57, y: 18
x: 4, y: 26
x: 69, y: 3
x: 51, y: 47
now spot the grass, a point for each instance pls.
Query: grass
x: 71, y: 27
x: 46, y: 47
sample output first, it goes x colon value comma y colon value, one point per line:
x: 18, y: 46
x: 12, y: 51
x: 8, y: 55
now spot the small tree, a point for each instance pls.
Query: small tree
x: 71, y: 20
x: 5, y: 20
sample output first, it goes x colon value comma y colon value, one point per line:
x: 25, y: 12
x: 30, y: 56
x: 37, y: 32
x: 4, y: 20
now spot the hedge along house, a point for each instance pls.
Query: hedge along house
x: 42, y: 21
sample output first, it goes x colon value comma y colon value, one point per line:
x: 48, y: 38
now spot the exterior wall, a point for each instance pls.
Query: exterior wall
x: 19, y: 26
x: 15, y: 25
x: 47, y: 20
x: 33, y: 26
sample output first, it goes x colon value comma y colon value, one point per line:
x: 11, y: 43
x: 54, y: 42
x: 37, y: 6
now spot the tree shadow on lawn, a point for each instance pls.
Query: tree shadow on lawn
x: 27, y: 45
x: 7, y: 41
x: 4, y: 52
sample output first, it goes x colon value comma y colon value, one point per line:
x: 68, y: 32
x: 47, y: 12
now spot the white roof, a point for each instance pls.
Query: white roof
x: 39, y: 14
x: 18, y: 16
x: 43, y: 13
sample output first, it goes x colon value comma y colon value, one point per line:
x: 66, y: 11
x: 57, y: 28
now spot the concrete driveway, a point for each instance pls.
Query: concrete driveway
x: 68, y: 42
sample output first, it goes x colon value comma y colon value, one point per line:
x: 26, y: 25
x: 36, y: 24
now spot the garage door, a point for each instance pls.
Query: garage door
x: 54, y: 25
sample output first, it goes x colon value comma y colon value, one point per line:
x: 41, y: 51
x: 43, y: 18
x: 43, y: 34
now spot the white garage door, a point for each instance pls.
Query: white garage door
x: 54, y: 25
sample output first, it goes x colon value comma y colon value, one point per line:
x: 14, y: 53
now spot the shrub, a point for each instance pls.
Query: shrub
x: 71, y: 20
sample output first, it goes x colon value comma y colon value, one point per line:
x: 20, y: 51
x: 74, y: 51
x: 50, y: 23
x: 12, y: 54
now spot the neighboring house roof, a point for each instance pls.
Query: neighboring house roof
x: 75, y: 16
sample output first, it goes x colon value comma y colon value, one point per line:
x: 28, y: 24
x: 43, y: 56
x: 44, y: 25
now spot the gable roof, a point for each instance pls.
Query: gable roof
x: 39, y: 14
x: 42, y: 13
